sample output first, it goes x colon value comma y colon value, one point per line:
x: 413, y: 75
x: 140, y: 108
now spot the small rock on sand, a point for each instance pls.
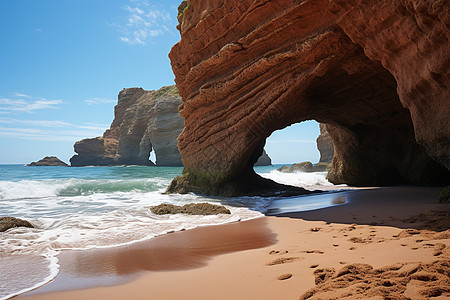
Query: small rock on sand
x: 11, y: 222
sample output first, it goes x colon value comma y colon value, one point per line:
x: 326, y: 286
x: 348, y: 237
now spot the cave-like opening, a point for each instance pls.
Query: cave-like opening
x: 372, y: 133
x: 293, y: 144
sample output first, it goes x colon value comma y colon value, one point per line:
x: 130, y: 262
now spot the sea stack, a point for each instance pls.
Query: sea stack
x: 48, y: 161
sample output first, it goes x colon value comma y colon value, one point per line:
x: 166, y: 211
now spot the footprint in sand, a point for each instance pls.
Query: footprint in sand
x: 357, y: 240
x: 284, y: 276
x: 282, y: 260
x: 313, y: 251
x: 315, y: 229
x: 279, y: 252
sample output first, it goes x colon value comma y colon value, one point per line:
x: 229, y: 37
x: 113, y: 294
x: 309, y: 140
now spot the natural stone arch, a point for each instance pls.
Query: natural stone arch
x: 247, y: 68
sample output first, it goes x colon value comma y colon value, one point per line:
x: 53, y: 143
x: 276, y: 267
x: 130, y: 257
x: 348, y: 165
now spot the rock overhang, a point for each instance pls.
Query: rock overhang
x: 247, y: 68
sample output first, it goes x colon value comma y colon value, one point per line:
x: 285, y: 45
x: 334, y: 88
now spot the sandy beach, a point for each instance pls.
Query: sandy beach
x: 385, y: 242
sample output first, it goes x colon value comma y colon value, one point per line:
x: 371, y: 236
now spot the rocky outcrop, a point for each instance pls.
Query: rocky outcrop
x: 325, y: 145
x: 51, y: 161
x: 11, y: 222
x: 375, y: 72
x: 144, y: 121
x: 397, y: 281
x: 263, y: 160
x: 306, y: 167
x: 202, y: 209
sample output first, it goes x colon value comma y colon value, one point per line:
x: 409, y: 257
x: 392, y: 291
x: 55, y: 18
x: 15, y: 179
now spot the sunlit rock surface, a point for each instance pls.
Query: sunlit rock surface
x: 375, y: 72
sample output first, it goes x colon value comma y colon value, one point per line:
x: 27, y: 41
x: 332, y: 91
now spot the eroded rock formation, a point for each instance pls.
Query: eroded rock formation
x: 143, y: 121
x: 48, y: 161
x: 263, y: 160
x: 306, y: 167
x: 376, y: 72
x: 325, y: 145
x: 201, y: 209
x: 11, y: 222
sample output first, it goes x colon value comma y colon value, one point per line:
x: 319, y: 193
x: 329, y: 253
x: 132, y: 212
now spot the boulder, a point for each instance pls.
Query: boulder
x: 51, y: 161
x: 305, y: 166
x: 322, y: 167
x: 190, y: 209
x: 11, y: 222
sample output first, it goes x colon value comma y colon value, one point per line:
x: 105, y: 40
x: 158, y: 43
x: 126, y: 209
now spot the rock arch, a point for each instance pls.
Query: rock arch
x: 376, y: 72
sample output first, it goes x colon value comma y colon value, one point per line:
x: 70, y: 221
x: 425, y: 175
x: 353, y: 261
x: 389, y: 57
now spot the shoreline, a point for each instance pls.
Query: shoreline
x: 249, y: 255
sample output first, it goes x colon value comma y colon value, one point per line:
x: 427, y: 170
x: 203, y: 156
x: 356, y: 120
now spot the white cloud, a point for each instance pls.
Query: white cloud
x: 20, y: 95
x: 43, y: 130
x: 143, y: 22
x: 41, y: 123
x: 97, y: 128
x: 38, y: 134
x: 93, y: 101
x: 49, y: 130
x: 25, y: 103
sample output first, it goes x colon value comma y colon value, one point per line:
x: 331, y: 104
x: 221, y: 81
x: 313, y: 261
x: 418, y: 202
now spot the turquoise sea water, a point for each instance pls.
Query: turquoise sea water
x: 82, y: 208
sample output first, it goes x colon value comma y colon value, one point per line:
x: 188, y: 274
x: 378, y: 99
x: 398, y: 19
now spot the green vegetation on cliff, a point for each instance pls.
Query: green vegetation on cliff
x: 171, y: 90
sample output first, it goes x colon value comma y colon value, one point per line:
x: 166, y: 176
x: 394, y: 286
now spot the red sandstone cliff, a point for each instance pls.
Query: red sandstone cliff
x: 376, y: 72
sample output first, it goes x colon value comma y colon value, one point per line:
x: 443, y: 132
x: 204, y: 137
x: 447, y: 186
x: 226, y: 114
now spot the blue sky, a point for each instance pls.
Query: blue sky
x: 63, y: 63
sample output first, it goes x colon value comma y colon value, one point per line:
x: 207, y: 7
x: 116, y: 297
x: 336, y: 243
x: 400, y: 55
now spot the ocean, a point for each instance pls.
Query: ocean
x: 94, y: 207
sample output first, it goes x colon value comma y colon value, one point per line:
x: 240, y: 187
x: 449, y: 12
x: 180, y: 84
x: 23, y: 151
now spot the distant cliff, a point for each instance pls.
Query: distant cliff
x: 325, y: 145
x: 144, y: 121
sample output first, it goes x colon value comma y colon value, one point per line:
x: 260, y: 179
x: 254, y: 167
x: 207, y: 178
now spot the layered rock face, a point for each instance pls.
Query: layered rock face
x: 376, y: 72
x: 325, y: 145
x: 143, y: 121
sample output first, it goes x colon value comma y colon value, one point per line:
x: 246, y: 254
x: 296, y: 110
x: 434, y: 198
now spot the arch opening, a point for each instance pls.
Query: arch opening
x: 295, y: 143
x: 372, y: 133
x: 321, y: 74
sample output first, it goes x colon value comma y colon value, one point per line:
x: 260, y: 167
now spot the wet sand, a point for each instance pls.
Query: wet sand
x: 377, y: 244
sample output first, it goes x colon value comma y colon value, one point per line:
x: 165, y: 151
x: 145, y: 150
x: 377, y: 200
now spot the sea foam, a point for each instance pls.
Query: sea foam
x: 83, y: 208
